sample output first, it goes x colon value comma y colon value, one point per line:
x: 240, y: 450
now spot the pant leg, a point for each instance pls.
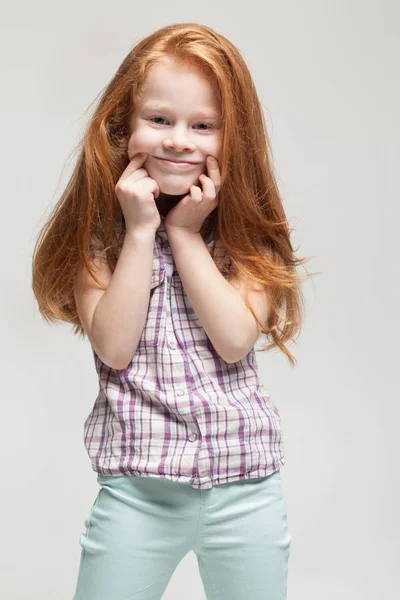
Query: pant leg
x: 243, y: 545
x: 131, y: 546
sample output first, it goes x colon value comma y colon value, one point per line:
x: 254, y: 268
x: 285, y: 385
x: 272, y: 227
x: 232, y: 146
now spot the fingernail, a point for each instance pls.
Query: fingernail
x: 212, y: 159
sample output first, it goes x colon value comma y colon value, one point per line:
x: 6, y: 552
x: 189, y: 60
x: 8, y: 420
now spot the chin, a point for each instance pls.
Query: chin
x: 175, y: 190
x: 176, y: 185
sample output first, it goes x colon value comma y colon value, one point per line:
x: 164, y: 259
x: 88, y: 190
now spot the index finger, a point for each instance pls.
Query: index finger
x: 213, y: 169
x: 136, y: 161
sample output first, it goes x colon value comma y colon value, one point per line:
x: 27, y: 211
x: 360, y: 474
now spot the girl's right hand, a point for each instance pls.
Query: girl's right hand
x: 136, y: 191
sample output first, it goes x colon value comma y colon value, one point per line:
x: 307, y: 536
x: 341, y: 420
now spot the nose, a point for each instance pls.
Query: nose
x: 178, y: 140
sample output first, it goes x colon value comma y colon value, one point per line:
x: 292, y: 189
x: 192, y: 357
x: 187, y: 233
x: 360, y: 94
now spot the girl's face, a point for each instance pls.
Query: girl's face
x: 178, y: 119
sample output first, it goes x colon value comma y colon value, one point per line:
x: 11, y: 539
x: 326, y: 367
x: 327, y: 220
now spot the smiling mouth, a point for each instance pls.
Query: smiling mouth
x: 175, y: 163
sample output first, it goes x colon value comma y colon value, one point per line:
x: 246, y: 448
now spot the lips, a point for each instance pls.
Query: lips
x: 179, y: 162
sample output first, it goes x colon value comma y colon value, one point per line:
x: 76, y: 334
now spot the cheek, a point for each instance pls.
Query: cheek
x: 214, y: 147
x: 141, y: 140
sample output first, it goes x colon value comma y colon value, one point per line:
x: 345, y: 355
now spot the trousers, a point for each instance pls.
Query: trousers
x: 139, y: 529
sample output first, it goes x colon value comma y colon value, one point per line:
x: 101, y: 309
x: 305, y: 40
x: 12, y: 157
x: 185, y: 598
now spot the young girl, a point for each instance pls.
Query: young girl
x: 170, y: 250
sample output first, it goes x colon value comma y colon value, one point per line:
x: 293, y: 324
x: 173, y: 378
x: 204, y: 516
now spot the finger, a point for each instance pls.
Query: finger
x: 213, y: 167
x: 195, y: 192
x: 208, y: 186
x: 138, y: 159
x: 134, y: 164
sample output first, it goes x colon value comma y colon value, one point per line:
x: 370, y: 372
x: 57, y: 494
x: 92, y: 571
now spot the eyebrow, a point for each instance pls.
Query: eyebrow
x: 208, y: 113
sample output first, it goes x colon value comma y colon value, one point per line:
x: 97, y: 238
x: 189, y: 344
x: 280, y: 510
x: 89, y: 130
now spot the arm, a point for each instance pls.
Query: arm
x: 219, y: 305
x: 115, y: 322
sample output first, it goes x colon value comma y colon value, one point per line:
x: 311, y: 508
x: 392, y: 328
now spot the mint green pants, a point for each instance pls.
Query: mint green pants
x: 140, y: 528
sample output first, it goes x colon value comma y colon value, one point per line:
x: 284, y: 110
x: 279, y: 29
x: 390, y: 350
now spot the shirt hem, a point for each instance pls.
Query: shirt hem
x: 197, y: 482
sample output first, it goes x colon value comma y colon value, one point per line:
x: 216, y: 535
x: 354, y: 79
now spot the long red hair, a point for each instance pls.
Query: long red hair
x: 249, y: 220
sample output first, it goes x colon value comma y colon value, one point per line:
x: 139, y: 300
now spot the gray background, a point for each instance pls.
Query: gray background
x: 327, y: 75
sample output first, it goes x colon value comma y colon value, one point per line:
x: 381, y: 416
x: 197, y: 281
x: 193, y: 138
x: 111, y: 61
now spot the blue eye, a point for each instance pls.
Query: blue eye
x: 208, y: 125
x: 152, y: 119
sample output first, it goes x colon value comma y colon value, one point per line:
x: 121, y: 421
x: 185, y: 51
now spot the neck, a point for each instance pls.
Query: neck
x: 167, y: 201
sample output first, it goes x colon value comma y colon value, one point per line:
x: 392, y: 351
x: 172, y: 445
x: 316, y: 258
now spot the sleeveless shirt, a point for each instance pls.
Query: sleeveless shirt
x: 178, y: 410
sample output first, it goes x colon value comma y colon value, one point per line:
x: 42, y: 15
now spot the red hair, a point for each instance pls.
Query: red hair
x: 249, y: 220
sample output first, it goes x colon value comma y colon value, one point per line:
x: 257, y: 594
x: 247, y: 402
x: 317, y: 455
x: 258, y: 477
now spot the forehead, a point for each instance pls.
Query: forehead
x: 174, y: 84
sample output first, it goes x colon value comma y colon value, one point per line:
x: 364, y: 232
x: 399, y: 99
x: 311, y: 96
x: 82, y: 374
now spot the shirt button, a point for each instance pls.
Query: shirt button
x: 172, y: 345
x: 192, y: 437
x: 180, y: 392
x: 166, y: 245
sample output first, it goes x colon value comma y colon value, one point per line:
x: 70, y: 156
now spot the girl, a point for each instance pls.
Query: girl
x: 170, y: 250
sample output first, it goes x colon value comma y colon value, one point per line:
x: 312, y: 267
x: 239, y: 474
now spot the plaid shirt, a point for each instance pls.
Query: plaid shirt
x: 179, y: 410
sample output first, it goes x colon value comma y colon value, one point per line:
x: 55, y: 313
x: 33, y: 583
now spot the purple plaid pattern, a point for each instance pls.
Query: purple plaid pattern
x: 179, y: 410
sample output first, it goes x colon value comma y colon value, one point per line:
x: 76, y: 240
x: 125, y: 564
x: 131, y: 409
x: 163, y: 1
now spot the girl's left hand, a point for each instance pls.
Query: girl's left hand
x: 192, y: 210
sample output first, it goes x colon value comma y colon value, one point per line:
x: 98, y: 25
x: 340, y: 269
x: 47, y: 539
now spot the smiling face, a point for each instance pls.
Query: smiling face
x: 178, y: 119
